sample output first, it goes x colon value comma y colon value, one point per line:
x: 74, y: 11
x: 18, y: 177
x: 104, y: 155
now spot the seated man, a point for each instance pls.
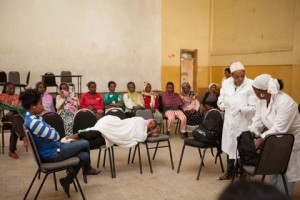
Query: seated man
x: 46, y: 140
x: 125, y: 133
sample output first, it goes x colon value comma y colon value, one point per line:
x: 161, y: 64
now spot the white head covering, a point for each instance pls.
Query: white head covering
x: 266, y: 82
x: 212, y: 85
x: 235, y: 66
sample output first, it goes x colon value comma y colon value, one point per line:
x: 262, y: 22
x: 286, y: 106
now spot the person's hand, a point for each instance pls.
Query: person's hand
x: 258, y: 142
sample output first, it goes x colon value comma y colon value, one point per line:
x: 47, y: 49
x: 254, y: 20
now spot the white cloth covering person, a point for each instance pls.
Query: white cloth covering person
x: 238, y: 102
x: 279, y: 115
x: 125, y: 133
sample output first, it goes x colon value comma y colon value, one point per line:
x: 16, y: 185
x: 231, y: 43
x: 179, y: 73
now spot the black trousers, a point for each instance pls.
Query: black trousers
x: 94, y: 138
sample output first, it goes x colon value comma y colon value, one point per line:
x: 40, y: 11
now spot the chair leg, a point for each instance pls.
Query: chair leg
x: 140, y: 160
x: 104, y: 158
x: 155, y: 150
x: 285, y: 186
x: 201, y: 157
x: 221, y: 162
x: 83, y: 197
x: 2, y: 140
x: 110, y: 163
x: 39, y: 177
x: 55, y: 183
x: 182, y: 151
x: 129, y: 155
x: 149, y: 160
x: 113, y: 161
x: 30, y: 186
x: 133, y: 156
x: 171, y: 157
x: 99, y: 154
x: 263, y: 178
x: 39, y: 190
x: 75, y: 187
x: 201, y: 164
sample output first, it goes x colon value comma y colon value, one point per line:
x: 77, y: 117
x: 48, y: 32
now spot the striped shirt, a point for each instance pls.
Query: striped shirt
x: 45, y: 137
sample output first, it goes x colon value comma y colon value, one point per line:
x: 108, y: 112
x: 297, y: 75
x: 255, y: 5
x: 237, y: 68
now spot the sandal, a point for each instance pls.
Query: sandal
x: 14, y: 155
x: 224, y: 177
x: 25, y: 142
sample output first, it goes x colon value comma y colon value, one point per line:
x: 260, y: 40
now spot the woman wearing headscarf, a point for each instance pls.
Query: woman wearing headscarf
x: 67, y: 105
x: 210, y: 98
x: 46, y: 97
x: 151, y: 100
x: 190, y: 105
x: 238, y: 101
x: 277, y: 112
x: 132, y: 100
x: 172, y: 106
x: 93, y: 100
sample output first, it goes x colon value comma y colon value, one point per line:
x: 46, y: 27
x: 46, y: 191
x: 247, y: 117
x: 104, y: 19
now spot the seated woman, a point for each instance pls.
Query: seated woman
x: 67, y: 104
x: 46, y: 140
x: 125, y: 133
x: 190, y: 105
x: 132, y: 100
x: 151, y: 100
x: 46, y: 97
x: 93, y: 100
x: 8, y: 97
x: 172, y: 105
x: 112, y: 99
x: 210, y: 98
x: 277, y: 112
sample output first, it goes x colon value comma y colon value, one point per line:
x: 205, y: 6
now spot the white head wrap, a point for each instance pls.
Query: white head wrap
x: 266, y: 82
x: 212, y: 85
x: 235, y: 66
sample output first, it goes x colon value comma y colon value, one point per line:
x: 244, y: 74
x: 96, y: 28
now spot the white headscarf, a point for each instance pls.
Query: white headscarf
x: 235, y: 66
x: 266, y: 82
x: 212, y: 85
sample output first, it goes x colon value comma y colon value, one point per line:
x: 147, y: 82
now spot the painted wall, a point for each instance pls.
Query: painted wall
x: 101, y: 40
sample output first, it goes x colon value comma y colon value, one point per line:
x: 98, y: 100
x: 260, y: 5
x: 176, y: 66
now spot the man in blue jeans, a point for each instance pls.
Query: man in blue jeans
x: 46, y: 140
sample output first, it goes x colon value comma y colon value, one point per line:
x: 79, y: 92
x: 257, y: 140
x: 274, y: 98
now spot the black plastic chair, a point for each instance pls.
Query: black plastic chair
x: 51, y: 168
x: 3, y: 78
x: 83, y: 119
x: 200, y: 145
x: 147, y: 114
x: 117, y: 113
x: 66, y: 78
x: 49, y: 80
x: 274, y: 157
x: 55, y: 120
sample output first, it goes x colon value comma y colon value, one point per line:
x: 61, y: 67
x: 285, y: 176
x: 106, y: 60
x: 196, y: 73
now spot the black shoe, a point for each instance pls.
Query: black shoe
x: 168, y: 132
x: 186, y: 135
x: 65, y: 185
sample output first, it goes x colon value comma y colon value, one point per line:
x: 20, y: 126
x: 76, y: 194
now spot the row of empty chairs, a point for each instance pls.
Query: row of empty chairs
x: 14, y: 77
x: 66, y: 77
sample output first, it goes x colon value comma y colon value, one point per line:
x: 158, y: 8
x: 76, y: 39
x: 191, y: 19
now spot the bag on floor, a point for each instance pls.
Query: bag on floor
x: 246, y: 148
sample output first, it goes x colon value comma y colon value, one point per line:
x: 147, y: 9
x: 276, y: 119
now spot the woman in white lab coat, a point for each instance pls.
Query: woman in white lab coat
x: 238, y: 101
x: 277, y: 112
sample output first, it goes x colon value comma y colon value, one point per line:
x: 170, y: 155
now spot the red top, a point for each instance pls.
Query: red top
x: 147, y: 100
x: 95, y: 101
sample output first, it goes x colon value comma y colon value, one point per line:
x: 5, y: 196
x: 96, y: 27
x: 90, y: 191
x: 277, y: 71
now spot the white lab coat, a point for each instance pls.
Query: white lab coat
x: 281, y: 116
x: 239, y: 106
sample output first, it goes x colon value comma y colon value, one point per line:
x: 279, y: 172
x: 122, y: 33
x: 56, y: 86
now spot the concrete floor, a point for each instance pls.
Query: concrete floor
x: 164, y: 183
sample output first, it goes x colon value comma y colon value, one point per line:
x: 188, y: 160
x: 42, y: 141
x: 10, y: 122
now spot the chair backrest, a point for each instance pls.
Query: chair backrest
x: 28, y: 78
x: 3, y: 77
x: 83, y: 119
x: 49, y: 79
x: 275, y: 154
x: 66, y: 77
x: 117, y: 113
x: 14, y: 77
x: 33, y: 148
x: 55, y: 120
x: 146, y: 114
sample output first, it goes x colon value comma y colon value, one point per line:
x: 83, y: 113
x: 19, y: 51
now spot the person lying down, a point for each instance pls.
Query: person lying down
x: 124, y: 133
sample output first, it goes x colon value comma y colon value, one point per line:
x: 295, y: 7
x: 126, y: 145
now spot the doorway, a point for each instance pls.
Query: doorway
x: 188, y: 67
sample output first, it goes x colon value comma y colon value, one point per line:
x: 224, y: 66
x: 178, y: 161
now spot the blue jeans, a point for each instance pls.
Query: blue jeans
x: 78, y: 149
